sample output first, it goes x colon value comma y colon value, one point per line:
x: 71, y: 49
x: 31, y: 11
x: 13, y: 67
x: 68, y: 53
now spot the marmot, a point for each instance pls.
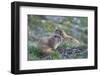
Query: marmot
x: 49, y: 43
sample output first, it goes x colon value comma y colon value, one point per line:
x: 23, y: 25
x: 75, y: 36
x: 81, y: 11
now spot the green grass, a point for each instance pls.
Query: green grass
x: 55, y: 55
x: 34, y: 53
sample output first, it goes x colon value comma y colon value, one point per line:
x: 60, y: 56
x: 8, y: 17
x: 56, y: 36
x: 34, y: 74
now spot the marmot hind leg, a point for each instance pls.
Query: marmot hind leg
x: 46, y: 51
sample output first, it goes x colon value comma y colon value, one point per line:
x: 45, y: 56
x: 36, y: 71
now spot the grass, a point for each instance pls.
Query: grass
x: 55, y: 55
x: 34, y: 53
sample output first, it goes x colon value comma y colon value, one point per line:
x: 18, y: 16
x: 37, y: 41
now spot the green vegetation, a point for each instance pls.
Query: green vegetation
x: 40, y: 26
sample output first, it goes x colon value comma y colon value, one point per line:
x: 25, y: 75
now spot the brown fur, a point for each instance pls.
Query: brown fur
x: 49, y: 43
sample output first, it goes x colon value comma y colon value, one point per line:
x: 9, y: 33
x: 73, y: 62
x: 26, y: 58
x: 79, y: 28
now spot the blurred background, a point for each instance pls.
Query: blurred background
x: 44, y: 25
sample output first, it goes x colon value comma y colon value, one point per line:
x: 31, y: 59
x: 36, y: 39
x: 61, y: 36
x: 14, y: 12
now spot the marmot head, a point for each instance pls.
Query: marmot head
x: 62, y: 33
x: 59, y: 33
